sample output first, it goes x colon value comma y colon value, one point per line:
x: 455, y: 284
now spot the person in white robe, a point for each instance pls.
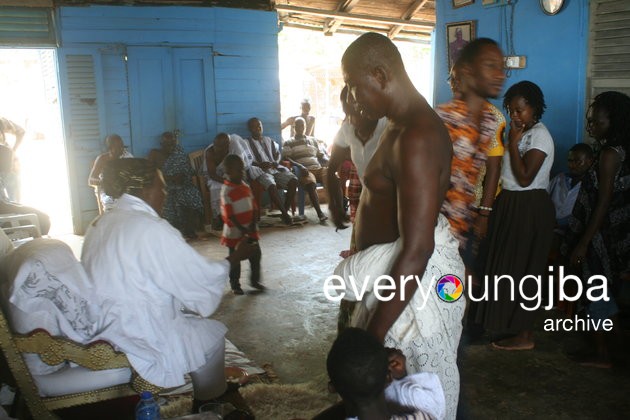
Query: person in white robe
x: 156, y: 292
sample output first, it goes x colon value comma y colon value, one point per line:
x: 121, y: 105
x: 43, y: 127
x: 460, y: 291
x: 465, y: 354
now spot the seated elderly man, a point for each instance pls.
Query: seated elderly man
x: 115, y: 150
x: 148, y: 282
x: 262, y: 161
x: 224, y: 144
x: 305, y: 153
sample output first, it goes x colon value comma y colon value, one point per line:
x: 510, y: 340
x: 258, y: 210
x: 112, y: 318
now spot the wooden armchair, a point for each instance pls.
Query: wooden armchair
x: 96, y: 356
x: 50, y: 372
x: 197, y: 161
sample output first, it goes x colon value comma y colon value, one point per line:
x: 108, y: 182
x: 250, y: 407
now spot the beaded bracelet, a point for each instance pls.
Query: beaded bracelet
x: 485, y: 208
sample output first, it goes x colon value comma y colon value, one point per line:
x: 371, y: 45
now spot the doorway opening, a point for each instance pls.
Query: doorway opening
x: 30, y: 99
x: 310, y: 68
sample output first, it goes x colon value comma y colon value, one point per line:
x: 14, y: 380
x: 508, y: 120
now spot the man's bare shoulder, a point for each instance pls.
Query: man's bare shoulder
x: 426, y: 129
x: 103, y: 157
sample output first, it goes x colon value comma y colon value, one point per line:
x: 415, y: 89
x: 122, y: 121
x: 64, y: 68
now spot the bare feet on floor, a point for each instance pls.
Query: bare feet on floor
x: 591, y: 359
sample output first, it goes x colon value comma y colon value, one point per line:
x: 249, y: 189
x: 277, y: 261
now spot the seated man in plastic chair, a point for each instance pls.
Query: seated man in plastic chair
x: 262, y: 162
x: 305, y: 153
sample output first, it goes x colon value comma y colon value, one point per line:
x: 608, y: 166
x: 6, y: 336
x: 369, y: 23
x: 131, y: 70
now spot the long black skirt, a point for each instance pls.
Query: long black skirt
x: 520, y: 231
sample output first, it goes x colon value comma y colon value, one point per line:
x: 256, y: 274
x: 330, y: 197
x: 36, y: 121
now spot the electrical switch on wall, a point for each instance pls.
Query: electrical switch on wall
x: 515, y: 62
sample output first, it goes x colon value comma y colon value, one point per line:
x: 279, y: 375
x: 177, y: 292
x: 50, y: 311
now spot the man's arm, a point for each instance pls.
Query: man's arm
x: 11, y: 127
x: 338, y: 155
x: 94, y: 180
x: 490, y: 185
x: 287, y: 154
x: 212, y: 168
x: 289, y: 121
x: 417, y: 179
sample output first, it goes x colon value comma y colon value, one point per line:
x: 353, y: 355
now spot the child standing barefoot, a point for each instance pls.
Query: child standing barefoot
x: 238, y: 210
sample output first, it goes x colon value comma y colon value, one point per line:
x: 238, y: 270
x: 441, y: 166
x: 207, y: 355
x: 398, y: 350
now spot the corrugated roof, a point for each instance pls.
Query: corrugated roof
x: 399, y: 19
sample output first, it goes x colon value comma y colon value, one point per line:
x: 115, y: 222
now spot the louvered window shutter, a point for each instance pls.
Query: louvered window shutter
x: 27, y: 26
x: 609, y: 50
x: 82, y: 115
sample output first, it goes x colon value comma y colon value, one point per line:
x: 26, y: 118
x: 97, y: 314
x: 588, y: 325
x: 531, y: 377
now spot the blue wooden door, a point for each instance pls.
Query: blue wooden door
x: 195, y: 110
x: 151, y: 100
x: 171, y: 89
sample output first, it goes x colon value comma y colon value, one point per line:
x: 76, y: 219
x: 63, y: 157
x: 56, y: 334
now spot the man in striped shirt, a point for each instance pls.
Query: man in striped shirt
x: 305, y: 153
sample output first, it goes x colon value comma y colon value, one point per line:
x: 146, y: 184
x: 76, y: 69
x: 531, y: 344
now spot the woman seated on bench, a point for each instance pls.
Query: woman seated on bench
x: 154, y: 290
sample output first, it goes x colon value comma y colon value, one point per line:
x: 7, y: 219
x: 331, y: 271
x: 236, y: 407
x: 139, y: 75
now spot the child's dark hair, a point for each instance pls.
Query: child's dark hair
x: 230, y: 160
x: 583, y: 148
x: 357, y: 366
x: 472, y: 49
x: 532, y: 95
x: 617, y: 105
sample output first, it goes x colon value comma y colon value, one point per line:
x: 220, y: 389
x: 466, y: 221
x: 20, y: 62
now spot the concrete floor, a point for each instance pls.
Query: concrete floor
x: 291, y: 325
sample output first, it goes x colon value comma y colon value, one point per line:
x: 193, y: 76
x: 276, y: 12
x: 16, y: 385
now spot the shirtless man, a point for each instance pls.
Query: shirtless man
x: 115, y: 150
x: 398, y: 227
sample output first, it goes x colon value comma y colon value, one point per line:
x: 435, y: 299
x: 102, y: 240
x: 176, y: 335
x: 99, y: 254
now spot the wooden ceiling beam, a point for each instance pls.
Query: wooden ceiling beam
x: 331, y: 25
x: 419, y: 24
x: 412, y: 10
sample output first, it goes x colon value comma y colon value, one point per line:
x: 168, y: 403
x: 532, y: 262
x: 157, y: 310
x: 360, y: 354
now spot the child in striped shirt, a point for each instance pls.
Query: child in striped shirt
x: 238, y: 210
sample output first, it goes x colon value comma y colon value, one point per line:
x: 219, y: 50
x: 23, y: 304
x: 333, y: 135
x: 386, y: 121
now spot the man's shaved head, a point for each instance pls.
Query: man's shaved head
x: 371, y: 50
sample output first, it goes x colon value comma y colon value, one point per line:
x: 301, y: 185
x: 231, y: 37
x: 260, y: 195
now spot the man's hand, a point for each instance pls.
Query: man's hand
x: 337, y: 214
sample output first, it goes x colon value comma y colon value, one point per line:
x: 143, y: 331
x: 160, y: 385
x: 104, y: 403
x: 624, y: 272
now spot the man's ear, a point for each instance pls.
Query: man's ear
x: 381, y: 74
x: 331, y: 388
x: 394, y: 364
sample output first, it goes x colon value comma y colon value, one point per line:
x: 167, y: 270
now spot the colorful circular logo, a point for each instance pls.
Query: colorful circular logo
x: 449, y: 288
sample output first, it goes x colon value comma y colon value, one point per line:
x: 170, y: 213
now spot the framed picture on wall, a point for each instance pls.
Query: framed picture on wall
x: 458, y: 35
x: 460, y: 3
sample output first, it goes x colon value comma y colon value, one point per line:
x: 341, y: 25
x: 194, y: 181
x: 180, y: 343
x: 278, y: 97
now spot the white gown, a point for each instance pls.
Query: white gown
x: 428, y: 331
x: 143, y: 275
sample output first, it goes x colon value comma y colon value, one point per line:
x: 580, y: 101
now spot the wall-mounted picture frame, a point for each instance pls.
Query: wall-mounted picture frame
x: 462, y: 3
x: 458, y: 35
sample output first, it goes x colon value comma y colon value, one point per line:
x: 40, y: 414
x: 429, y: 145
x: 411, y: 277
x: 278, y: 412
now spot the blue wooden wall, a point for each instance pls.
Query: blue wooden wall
x: 244, y: 42
x: 556, y: 50
x: 244, y: 46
